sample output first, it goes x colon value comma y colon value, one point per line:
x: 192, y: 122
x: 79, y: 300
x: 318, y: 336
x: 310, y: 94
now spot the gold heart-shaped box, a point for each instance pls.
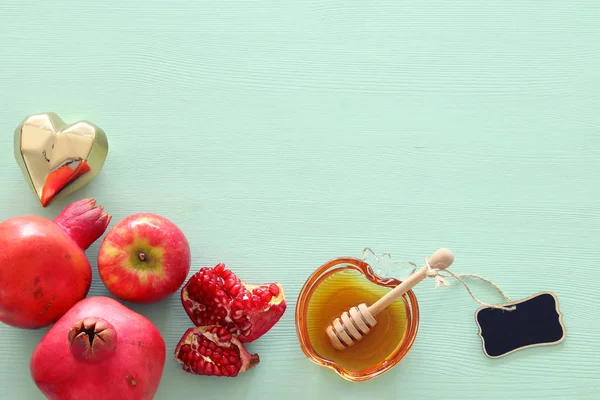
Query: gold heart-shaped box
x: 56, y: 158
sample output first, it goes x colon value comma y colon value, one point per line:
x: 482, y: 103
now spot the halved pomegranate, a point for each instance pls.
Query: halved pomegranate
x: 216, y: 296
x: 212, y: 350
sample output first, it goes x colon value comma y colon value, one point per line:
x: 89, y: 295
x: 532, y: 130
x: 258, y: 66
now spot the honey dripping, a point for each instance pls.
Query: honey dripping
x: 337, y: 293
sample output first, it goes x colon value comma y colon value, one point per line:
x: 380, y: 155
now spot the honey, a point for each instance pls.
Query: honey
x: 338, y: 292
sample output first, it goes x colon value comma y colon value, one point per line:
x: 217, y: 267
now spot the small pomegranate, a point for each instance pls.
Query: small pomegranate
x: 99, y: 350
x: 216, y: 296
x: 43, y: 267
x: 212, y: 350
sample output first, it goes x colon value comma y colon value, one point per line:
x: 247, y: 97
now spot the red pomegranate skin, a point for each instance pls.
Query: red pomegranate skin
x: 43, y: 267
x: 127, y: 364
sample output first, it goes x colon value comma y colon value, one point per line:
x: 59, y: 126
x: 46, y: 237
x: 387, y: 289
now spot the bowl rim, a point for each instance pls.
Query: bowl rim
x: 351, y: 263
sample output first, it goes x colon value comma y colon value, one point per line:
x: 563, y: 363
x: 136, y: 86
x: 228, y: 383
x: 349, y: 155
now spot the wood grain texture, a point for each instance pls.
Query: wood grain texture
x: 279, y: 135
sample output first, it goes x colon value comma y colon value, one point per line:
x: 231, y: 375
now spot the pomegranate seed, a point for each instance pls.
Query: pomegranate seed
x: 257, y: 302
x: 244, y: 325
x: 208, y: 353
x: 247, y: 303
x: 231, y: 369
x: 224, y: 360
x: 219, y: 268
x: 208, y: 369
x: 274, y: 289
x: 235, y: 290
x: 226, y: 337
x: 266, y: 296
x: 237, y: 304
x: 212, y: 345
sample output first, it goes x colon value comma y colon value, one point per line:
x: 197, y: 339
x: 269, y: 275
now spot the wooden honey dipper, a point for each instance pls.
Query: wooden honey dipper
x: 357, y: 322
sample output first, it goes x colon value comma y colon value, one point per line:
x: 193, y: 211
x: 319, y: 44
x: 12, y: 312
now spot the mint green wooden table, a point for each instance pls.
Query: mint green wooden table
x: 281, y: 134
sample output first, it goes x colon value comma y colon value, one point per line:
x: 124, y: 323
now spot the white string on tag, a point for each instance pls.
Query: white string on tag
x: 439, y: 276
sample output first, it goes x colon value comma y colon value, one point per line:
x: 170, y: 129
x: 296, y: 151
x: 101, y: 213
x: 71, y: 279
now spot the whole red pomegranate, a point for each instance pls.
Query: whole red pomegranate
x: 216, y: 296
x: 212, y: 350
x: 99, y: 350
x: 43, y: 267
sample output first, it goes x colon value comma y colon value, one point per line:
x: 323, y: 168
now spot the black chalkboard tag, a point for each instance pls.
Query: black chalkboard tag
x: 536, y: 321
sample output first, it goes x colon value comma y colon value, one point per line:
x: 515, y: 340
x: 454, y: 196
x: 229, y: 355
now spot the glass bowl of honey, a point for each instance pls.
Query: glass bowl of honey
x: 337, y: 286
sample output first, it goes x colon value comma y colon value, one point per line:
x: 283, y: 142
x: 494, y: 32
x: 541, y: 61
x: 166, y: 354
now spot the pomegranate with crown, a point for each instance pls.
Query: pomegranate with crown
x: 99, y: 350
x: 43, y: 267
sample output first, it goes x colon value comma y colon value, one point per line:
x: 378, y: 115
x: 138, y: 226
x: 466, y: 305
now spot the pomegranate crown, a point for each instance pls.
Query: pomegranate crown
x: 83, y: 221
x: 92, y: 339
